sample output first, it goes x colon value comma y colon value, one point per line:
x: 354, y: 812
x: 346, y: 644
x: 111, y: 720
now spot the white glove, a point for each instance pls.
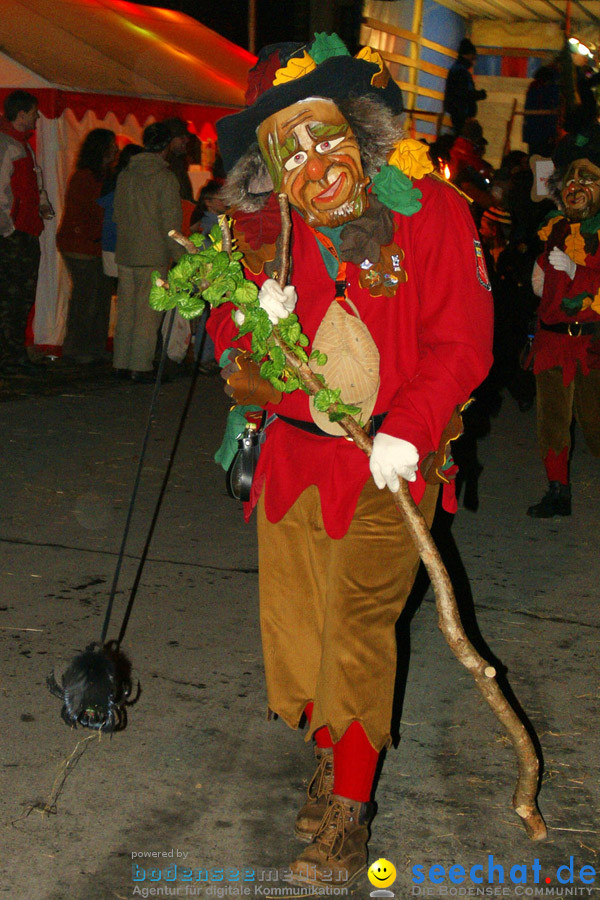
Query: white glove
x: 562, y: 263
x: 391, y: 459
x: 537, y: 280
x: 277, y: 303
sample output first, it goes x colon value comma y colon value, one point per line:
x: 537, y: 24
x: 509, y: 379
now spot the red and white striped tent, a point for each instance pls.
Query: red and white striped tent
x: 108, y: 64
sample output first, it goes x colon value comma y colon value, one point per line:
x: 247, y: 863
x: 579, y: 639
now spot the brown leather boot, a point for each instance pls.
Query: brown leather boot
x: 338, y: 852
x: 318, y: 792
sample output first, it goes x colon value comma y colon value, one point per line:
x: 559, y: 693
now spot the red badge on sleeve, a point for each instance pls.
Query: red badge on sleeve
x: 482, y: 274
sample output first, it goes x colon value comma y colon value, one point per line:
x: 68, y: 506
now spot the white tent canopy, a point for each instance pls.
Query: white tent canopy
x: 107, y: 64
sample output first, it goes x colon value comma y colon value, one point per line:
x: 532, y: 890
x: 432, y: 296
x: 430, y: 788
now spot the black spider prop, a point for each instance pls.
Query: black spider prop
x: 95, y: 689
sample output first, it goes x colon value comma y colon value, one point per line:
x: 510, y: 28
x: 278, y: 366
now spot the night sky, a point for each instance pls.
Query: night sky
x: 276, y: 20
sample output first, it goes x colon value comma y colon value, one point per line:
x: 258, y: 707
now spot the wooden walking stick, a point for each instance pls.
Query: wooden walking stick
x: 524, y: 797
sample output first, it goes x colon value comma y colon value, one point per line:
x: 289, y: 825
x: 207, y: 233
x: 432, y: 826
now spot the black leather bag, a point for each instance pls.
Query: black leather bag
x: 240, y: 474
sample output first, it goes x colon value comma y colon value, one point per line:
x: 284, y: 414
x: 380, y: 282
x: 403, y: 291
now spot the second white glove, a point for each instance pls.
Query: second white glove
x: 559, y: 260
x: 277, y: 303
x: 391, y: 459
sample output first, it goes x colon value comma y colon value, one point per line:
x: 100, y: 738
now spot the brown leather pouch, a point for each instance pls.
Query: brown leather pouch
x: 432, y: 464
x: 245, y: 385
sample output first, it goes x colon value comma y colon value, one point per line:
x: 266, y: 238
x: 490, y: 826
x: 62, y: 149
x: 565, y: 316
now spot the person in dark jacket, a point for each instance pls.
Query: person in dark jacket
x: 539, y: 131
x: 177, y: 156
x: 461, y: 95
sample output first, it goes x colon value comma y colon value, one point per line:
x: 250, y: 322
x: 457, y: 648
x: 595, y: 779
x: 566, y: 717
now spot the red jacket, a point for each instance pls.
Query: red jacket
x: 19, y: 192
x: 465, y: 155
x: 81, y: 226
x: 434, y: 338
x: 552, y: 349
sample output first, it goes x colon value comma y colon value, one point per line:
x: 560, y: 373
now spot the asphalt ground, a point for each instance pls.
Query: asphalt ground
x: 199, y: 774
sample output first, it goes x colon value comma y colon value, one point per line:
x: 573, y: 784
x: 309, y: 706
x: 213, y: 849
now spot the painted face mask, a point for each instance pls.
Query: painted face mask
x: 580, y: 193
x: 313, y: 157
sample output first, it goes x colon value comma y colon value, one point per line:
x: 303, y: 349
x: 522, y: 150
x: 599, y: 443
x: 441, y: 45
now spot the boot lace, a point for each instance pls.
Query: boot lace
x: 338, y: 821
x: 321, y: 784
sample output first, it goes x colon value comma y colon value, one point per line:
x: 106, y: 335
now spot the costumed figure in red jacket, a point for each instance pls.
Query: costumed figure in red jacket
x: 566, y: 346
x: 388, y: 281
x: 23, y: 207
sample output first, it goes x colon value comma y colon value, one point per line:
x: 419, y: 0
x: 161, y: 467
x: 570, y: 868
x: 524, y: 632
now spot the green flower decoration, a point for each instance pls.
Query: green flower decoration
x: 573, y: 305
x: 325, y: 46
x: 396, y: 191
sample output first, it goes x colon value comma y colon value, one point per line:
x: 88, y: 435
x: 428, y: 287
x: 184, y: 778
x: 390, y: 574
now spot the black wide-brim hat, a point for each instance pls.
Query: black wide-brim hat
x: 336, y: 78
x: 578, y: 146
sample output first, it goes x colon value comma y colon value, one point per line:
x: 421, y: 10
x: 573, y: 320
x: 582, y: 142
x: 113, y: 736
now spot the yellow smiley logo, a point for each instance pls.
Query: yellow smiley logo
x: 382, y: 873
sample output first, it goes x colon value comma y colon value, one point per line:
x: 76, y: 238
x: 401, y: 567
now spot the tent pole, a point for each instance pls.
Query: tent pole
x: 252, y: 26
x: 415, y: 53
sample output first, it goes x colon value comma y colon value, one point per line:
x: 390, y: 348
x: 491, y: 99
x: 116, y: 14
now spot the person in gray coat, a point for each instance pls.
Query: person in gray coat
x: 147, y: 207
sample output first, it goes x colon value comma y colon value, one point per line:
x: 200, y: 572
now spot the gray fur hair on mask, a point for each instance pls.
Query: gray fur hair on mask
x: 374, y: 126
x: 555, y: 185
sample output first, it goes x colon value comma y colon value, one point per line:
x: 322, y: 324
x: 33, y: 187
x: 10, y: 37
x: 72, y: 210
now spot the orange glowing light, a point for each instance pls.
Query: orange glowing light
x: 447, y: 172
x: 169, y: 14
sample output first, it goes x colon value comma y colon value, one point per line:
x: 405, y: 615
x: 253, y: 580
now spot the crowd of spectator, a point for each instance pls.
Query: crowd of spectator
x: 118, y: 208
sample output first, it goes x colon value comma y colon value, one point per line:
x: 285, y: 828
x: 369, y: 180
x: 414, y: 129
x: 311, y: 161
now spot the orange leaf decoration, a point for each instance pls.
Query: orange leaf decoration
x: 544, y: 233
x: 296, y: 68
x: 575, y: 245
x: 380, y: 78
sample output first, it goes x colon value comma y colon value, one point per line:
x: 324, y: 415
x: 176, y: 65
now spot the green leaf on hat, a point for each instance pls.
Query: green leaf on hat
x: 325, y: 46
x: 396, y: 191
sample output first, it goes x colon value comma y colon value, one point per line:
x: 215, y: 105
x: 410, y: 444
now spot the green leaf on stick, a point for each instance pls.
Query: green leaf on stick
x: 212, y: 276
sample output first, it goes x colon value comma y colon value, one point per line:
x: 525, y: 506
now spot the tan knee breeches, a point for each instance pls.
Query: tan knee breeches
x: 556, y: 405
x: 328, y: 610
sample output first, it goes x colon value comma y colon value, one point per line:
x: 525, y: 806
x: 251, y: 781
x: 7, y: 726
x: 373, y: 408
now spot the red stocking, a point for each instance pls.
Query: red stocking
x: 354, y: 765
x: 557, y: 465
x: 354, y: 760
x: 322, y: 736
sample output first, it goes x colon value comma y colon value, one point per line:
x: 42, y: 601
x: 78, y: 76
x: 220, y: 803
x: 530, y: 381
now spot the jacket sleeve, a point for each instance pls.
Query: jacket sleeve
x: 7, y: 156
x: 455, y: 326
x: 172, y: 214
